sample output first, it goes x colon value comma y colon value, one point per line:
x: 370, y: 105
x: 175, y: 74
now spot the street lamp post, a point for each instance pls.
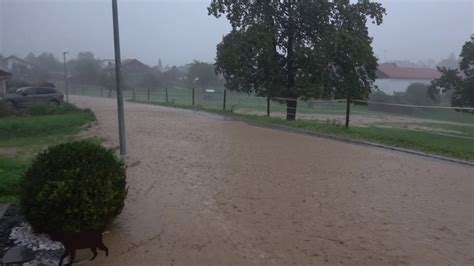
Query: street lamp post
x: 65, y: 77
x: 118, y: 77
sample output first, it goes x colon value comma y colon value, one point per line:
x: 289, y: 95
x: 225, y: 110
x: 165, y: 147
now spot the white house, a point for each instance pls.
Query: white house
x: 391, y: 78
x: 4, y: 75
x: 9, y: 62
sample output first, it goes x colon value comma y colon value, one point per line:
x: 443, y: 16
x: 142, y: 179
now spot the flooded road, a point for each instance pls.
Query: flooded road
x: 206, y: 191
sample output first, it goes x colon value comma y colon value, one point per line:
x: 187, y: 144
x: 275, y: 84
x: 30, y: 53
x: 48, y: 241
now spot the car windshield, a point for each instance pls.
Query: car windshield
x: 20, y: 90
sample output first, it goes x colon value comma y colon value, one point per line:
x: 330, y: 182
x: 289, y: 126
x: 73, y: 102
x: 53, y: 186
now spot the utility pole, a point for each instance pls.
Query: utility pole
x: 65, y: 77
x: 118, y: 78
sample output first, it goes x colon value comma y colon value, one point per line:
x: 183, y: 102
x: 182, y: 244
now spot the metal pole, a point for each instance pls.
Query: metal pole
x: 65, y: 77
x: 148, y: 94
x: 225, y: 94
x: 133, y: 94
x: 193, y: 96
x: 166, y: 91
x: 118, y: 77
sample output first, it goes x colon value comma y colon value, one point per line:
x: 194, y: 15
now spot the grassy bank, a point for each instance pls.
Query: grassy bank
x: 450, y: 146
x: 23, y: 136
x: 10, y: 171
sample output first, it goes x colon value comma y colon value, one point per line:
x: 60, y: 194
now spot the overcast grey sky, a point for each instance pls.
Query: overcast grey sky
x: 180, y: 31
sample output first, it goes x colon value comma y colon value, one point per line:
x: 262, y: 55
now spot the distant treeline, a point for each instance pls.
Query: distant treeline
x: 85, y: 68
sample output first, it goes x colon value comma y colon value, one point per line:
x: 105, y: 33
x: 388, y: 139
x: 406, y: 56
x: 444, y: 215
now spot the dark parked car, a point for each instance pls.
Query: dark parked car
x: 30, y: 95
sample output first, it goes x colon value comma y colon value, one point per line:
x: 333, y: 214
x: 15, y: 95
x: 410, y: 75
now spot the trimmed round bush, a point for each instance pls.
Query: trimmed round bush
x: 73, y: 187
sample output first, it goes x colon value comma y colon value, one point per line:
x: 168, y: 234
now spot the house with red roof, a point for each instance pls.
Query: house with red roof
x: 391, y: 78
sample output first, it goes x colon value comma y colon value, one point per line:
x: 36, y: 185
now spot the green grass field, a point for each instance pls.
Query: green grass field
x: 10, y: 171
x: 461, y: 148
x: 21, y: 137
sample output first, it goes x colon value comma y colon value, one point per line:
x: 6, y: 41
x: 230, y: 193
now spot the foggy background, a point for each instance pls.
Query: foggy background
x: 181, y: 31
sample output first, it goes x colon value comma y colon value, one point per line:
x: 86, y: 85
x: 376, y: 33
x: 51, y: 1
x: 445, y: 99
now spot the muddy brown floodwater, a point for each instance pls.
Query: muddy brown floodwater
x: 207, y: 191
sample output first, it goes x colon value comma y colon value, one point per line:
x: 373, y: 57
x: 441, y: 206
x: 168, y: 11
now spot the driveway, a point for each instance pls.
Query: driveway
x: 209, y: 191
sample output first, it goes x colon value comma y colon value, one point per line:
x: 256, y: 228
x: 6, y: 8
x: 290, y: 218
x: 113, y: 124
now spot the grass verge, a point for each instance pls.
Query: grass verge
x: 398, y: 137
x: 46, y: 129
x: 22, y: 136
x: 11, y: 170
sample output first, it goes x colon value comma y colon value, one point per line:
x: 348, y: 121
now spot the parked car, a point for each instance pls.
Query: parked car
x: 30, y: 95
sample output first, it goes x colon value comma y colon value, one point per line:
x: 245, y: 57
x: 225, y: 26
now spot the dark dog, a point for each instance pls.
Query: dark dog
x: 74, y: 241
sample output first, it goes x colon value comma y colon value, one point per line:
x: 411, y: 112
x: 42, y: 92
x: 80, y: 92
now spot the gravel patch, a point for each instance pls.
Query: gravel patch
x: 15, y: 231
x: 10, y: 219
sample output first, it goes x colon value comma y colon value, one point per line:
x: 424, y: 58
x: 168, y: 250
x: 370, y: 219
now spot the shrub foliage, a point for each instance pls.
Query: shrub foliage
x: 73, y: 187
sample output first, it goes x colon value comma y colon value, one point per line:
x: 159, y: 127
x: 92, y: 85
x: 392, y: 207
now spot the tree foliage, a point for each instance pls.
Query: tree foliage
x: 461, y: 84
x: 85, y: 69
x: 415, y: 94
x: 171, y: 76
x: 45, y: 61
x: 297, y: 48
x: 150, y: 80
x: 32, y: 75
x: 201, y: 74
x: 450, y: 63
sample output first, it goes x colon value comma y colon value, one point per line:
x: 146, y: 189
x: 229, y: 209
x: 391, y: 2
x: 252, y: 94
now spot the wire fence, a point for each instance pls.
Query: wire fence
x: 438, y: 120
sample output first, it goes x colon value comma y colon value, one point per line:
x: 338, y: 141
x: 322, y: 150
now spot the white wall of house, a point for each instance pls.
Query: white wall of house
x: 3, y: 86
x: 389, y: 86
x: 12, y: 61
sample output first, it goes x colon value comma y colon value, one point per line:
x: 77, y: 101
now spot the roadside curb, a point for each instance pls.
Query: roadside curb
x: 349, y: 140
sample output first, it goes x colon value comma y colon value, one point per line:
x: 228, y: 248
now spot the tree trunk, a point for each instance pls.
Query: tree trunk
x: 291, y: 109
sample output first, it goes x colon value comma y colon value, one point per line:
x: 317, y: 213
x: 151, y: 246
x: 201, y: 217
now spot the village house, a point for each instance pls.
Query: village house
x: 391, y: 77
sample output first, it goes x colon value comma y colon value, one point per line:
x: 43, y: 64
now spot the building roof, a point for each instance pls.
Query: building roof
x: 4, y: 74
x: 128, y: 65
x: 134, y: 62
x: 392, y: 71
x: 20, y: 60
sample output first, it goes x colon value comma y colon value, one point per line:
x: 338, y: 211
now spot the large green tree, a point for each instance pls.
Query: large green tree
x: 293, y: 49
x: 461, y: 84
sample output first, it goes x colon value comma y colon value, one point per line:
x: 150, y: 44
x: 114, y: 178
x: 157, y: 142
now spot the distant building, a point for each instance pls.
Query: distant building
x: 134, y: 66
x: 132, y: 69
x: 128, y: 65
x: 391, y: 77
x: 4, y: 75
x: 10, y: 62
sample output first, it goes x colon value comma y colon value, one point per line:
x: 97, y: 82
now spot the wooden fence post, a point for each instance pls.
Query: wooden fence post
x: 193, y: 96
x: 225, y: 95
x: 268, y: 105
x: 166, y: 91
x: 348, y: 107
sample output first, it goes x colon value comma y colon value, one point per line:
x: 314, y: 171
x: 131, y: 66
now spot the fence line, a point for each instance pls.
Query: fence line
x: 416, y: 106
x: 366, y: 114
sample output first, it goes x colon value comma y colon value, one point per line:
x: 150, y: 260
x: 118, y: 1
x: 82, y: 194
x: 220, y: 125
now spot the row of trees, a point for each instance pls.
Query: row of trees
x: 415, y: 94
x: 85, y: 68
